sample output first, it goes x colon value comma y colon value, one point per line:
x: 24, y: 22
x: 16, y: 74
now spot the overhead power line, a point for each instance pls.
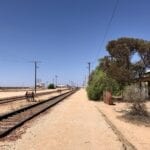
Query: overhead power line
x: 107, y: 28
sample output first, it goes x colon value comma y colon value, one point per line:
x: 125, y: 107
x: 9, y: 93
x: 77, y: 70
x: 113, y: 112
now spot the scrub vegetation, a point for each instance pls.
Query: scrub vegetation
x: 100, y: 82
x: 117, y: 70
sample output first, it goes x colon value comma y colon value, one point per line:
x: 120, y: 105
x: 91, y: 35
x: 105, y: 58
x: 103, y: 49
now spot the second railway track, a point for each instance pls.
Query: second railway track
x: 12, y: 120
x: 17, y: 98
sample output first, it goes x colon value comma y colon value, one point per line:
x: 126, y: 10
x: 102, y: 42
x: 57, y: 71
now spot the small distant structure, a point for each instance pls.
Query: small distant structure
x: 41, y: 85
x: 61, y: 86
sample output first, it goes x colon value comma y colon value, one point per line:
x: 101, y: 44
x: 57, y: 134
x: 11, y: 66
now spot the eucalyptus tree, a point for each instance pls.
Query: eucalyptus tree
x: 119, y: 63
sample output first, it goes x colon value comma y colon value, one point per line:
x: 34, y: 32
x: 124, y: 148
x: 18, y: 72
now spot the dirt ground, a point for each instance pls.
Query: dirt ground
x: 136, y: 132
x: 74, y: 124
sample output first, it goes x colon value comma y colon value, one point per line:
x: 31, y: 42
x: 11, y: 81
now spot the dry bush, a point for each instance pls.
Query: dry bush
x: 138, y: 108
x: 135, y: 96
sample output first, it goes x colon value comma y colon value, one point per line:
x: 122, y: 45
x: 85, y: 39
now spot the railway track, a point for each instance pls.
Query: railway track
x: 12, y: 120
x: 16, y: 98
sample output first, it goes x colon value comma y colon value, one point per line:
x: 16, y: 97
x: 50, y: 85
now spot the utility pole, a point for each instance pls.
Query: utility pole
x: 35, y: 79
x: 89, y: 68
x: 35, y: 74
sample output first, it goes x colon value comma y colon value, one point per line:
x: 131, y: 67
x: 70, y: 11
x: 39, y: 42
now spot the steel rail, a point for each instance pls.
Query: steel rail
x: 14, y: 119
x: 16, y: 98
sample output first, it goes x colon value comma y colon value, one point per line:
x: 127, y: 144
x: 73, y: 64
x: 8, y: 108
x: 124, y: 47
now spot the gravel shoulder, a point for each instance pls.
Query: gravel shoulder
x: 74, y: 124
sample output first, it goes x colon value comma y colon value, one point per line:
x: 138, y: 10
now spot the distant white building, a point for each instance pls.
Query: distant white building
x: 41, y: 85
x: 61, y: 86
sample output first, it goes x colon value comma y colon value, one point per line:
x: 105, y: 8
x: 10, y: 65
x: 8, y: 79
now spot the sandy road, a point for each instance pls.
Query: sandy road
x: 74, y: 124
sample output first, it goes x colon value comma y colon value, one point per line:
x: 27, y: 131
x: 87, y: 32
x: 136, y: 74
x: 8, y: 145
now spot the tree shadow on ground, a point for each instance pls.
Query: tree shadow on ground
x: 139, y: 120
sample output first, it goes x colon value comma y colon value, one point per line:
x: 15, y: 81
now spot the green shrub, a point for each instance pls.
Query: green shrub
x: 99, y: 82
x: 51, y: 86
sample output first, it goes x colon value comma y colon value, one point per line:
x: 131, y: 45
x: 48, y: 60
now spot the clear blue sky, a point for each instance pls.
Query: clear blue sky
x: 63, y: 34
